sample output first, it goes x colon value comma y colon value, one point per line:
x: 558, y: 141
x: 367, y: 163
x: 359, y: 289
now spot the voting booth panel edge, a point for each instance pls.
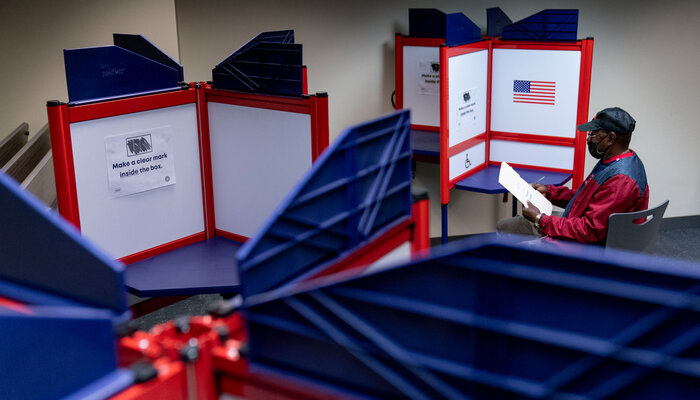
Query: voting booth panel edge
x: 179, y: 208
x: 525, y: 134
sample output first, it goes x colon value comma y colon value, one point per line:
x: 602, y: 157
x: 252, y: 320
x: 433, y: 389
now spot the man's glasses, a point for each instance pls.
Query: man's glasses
x: 591, y: 134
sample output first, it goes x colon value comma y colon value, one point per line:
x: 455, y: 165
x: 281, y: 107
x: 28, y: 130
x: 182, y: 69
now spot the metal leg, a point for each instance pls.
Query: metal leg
x: 444, y: 223
x: 515, y: 206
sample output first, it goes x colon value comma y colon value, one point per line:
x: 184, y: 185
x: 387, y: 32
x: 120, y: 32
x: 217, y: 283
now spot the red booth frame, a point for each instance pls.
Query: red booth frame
x: 61, y: 115
x: 578, y: 142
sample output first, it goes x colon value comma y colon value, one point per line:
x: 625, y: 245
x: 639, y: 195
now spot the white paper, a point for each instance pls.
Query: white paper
x: 140, y: 161
x: 429, y: 78
x: 466, y: 109
x: 522, y: 190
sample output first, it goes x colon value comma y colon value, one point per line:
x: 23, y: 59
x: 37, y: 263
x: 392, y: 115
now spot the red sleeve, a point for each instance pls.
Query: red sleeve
x: 559, y: 195
x: 617, y: 194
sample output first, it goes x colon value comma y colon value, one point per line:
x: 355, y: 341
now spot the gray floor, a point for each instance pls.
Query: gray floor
x: 683, y: 244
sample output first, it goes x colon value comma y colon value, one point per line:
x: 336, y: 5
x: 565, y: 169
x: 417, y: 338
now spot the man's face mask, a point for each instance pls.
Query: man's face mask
x: 593, y: 146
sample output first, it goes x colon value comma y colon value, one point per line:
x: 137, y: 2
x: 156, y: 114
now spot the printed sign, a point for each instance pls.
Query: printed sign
x: 466, y: 108
x: 140, y: 161
x: 429, y: 79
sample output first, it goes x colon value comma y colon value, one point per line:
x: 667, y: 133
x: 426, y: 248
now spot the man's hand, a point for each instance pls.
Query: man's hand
x: 540, y: 188
x: 530, y: 211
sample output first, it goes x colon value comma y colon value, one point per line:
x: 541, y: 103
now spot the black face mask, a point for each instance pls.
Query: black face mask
x: 593, y: 150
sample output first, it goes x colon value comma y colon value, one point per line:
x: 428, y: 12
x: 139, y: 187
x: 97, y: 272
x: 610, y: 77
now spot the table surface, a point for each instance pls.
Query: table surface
x: 486, y: 180
x: 425, y: 143
x: 208, y: 266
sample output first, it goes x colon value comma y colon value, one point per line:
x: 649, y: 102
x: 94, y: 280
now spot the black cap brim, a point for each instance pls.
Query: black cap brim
x: 589, y: 126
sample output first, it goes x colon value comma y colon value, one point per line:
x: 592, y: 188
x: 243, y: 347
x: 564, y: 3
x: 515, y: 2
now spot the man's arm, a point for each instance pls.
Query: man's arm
x: 617, y: 194
x: 558, y: 195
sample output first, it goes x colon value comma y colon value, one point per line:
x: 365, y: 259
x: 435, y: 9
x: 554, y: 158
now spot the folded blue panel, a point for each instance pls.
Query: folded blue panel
x: 100, y: 73
x: 59, y: 352
x: 358, y: 189
x: 46, y: 261
x: 461, y: 30
x: 486, y: 319
x: 496, y: 19
x: 270, y: 63
x: 545, y: 25
x: 140, y: 45
x: 455, y: 28
x: 426, y: 23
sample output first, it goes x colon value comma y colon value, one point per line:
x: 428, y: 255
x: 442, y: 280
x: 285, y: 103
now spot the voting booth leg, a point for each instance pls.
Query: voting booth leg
x: 444, y: 223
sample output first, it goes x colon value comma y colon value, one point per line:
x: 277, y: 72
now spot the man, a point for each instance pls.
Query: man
x: 618, y: 183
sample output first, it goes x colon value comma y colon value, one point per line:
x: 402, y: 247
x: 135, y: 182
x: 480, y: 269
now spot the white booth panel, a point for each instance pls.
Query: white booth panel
x: 557, y: 66
x: 132, y: 223
x: 258, y: 156
x: 468, y: 79
x: 544, y: 155
x: 468, y: 159
x: 421, y: 84
x: 400, y: 255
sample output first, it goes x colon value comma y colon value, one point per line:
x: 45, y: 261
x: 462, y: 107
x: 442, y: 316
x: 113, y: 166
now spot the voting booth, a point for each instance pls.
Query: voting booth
x: 515, y: 98
x: 62, y: 297
x: 182, y: 171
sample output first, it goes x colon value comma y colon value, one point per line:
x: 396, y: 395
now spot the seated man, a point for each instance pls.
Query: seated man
x: 618, y: 183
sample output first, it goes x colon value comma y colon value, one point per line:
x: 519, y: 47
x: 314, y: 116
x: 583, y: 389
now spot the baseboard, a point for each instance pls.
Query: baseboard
x: 685, y: 222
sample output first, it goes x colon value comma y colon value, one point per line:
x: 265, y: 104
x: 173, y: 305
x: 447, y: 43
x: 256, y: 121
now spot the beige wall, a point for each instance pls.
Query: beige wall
x: 646, y: 59
x: 33, y: 34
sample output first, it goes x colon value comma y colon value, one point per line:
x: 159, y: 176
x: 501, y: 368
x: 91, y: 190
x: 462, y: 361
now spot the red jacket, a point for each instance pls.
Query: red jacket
x: 615, y: 185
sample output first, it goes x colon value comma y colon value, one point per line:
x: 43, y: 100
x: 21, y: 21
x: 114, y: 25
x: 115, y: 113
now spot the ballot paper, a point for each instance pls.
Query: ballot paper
x: 522, y: 190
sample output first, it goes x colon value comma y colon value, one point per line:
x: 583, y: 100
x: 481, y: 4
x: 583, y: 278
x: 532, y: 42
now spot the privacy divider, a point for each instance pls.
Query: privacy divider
x: 352, y: 208
x: 143, y: 175
x: 489, y: 319
x: 496, y: 99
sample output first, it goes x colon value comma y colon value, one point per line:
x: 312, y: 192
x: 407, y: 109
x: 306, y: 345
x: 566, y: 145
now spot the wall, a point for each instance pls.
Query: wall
x: 645, y: 60
x: 33, y: 34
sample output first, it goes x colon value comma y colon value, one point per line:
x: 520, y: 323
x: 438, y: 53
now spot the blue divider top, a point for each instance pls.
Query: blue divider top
x: 140, y: 45
x: 132, y: 66
x: 455, y: 28
x: 59, y: 353
x: 359, y: 188
x: 270, y: 63
x: 545, y: 25
x: 496, y: 19
x: 45, y: 261
x: 487, y: 318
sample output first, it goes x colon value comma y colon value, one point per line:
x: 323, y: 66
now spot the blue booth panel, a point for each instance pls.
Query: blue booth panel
x: 491, y: 319
x: 545, y: 25
x: 270, y: 63
x: 358, y: 189
x: 60, y: 299
x: 46, y: 261
x: 100, y: 73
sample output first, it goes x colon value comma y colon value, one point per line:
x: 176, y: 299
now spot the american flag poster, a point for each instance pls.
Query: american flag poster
x: 534, y: 92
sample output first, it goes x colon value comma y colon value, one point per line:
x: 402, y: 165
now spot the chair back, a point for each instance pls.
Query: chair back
x: 623, y: 233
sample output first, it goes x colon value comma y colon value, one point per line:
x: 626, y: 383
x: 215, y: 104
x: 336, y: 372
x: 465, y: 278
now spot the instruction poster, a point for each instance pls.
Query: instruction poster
x: 429, y: 79
x: 140, y: 161
x: 466, y: 108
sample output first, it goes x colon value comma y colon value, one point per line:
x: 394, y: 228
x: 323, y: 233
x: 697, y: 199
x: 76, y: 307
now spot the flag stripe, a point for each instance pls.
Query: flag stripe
x: 534, y: 92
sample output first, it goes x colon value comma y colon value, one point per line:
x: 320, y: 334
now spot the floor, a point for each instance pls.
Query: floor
x: 681, y: 244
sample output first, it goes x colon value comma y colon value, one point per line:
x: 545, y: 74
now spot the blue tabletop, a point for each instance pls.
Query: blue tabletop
x: 208, y: 266
x: 486, y: 180
x: 425, y: 142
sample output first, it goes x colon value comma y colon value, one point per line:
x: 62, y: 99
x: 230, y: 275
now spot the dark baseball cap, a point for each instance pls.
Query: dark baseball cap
x: 612, y: 119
